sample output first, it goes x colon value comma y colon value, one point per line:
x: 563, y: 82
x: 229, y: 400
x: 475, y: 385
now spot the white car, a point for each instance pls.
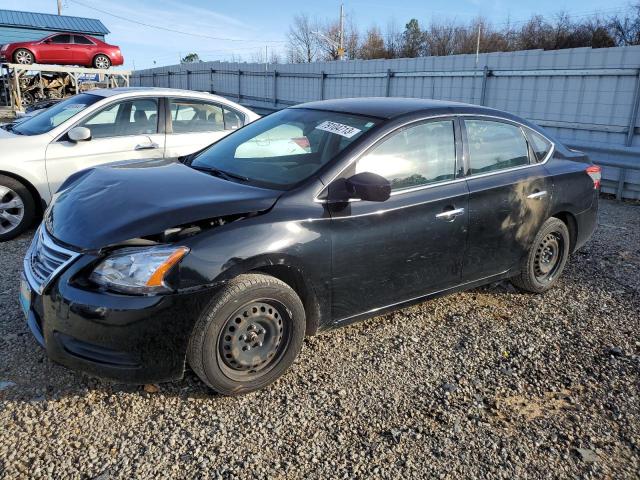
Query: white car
x: 102, y: 126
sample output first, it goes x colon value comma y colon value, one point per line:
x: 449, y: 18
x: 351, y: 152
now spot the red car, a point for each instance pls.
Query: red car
x: 64, y: 49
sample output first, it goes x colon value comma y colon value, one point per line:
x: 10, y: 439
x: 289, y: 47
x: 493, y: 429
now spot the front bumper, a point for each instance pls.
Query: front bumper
x: 130, y: 339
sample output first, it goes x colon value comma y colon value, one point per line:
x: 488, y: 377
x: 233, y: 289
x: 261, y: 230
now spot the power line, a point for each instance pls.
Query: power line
x: 167, y: 29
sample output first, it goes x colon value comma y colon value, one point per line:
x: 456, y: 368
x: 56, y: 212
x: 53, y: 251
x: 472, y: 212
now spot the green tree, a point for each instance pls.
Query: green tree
x: 412, y: 40
x: 190, y: 58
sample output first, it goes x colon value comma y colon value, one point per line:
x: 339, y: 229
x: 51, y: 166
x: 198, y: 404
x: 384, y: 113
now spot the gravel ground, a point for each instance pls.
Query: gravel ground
x: 486, y: 383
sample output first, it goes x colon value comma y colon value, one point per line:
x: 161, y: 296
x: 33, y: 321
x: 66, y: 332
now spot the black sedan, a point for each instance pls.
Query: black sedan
x: 310, y: 218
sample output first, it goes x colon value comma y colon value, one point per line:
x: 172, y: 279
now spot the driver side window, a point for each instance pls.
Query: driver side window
x: 131, y: 117
x: 414, y: 156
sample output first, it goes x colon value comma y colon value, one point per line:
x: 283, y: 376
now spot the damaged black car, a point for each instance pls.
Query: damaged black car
x: 308, y: 219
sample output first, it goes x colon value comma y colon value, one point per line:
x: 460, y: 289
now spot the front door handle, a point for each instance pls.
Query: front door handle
x: 450, y: 215
x: 147, y: 146
x: 538, y: 195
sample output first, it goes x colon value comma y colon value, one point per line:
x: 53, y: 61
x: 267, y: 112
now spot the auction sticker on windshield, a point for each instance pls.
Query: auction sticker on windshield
x: 338, y: 128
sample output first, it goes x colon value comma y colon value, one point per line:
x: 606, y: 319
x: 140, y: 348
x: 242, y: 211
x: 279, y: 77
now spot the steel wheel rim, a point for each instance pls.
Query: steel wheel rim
x: 11, y: 210
x: 23, y: 58
x: 254, y: 339
x: 102, y: 62
x: 549, y: 254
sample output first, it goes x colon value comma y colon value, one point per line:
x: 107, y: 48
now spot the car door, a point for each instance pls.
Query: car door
x: 412, y: 244
x: 509, y: 195
x: 123, y: 130
x: 56, y: 49
x: 196, y: 124
x: 82, y: 50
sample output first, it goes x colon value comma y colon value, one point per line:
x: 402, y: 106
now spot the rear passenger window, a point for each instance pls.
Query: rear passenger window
x: 414, y: 156
x: 495, y: 146
x: 540, y: 145
x: 189, y: 116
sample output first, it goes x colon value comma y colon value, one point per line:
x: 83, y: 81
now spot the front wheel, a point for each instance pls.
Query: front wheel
x: 248, y: 336
x: 102, y: 62
x: 546, y: 259
x: 17, y: 208
x: 23, y: 56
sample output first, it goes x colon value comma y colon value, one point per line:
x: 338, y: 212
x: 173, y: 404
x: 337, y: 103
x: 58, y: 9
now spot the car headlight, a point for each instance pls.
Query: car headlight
x: 138, y: 270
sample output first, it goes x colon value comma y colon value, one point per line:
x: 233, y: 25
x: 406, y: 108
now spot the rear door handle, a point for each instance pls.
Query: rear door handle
x: 537, y: 195
x: 147, y: 146
x: 449, y: 215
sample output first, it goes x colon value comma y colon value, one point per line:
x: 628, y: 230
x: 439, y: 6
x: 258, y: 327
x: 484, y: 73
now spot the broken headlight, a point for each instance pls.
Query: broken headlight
x: 138, y: 270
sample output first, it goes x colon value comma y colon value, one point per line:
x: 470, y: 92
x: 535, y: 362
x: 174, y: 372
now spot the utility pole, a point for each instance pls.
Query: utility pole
x: 59, y: 7
x: 478, y: 43
x: 341, y: 44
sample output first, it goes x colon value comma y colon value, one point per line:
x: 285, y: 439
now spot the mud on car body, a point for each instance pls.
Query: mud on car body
x: 308, y: 219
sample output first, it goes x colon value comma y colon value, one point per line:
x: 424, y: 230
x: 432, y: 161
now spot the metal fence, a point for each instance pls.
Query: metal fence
x: 588, y: 98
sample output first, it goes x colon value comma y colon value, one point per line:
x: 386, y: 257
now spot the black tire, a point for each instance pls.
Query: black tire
x: 102, y: 60
x: 546, y: 259
x: 10, y: 190
x: 216, y: 349
x: 23, y: 57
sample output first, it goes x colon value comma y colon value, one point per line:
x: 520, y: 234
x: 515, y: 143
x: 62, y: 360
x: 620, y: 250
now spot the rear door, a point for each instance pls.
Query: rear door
x: 82, y: 50
x: 195, y: 124
x: 123, y: 130
x: 384, y: 253
x: 509, y: 195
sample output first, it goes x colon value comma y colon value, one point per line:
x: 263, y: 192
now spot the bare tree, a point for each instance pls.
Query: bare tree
x: 302, y: 44
x: 393, y: 40
x: 373, y: 45
x: 625, y: 29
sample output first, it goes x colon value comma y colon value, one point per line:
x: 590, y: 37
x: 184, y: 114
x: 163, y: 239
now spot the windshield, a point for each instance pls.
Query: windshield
x: 284, y: 148
x: 55, y: 115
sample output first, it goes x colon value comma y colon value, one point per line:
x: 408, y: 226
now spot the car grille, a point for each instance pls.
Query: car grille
x: 45, y: 260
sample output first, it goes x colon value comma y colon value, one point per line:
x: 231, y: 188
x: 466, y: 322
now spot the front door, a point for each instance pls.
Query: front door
x: 57, y: 49
x: 509, y: 197
x: 126, y: 130
x: 410, y: 245
x: 196, y: 124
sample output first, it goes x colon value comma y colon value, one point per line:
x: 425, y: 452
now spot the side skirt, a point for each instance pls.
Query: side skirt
x: 413, y: 301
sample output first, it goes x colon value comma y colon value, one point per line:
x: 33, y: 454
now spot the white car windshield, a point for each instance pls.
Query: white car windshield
x: 55, y: 115
x: 284, y: 148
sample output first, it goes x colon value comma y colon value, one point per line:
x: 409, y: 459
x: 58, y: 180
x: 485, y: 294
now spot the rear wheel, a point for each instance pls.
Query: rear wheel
x: 17, y: 208
x: 546, y: 259
x: 248, y: 336
x: 23, y: 56
x: 102, y: 62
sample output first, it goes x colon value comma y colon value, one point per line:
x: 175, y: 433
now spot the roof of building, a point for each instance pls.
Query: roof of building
x: 45, y: 21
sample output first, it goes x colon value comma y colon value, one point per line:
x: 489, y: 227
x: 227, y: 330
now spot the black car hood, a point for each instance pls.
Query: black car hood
x: 107, y: 205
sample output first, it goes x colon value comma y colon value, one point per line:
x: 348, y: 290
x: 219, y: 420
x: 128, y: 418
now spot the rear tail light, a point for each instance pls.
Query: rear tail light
x: 595, y: 172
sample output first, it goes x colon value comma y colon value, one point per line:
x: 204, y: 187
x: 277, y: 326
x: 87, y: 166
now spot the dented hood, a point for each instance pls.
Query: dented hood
x: 106, y: 205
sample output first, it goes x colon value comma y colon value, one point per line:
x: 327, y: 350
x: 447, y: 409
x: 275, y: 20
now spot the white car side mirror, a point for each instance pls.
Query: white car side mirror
x: 79, y: 134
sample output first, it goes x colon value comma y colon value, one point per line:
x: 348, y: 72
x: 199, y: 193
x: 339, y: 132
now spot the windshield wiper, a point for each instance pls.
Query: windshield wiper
x: 221, y: 173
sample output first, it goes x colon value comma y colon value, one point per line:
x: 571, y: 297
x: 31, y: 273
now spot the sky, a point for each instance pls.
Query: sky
x: 220, y: 29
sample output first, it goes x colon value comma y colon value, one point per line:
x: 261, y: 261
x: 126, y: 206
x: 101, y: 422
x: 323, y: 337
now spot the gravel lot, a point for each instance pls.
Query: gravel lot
x: 487, y: 383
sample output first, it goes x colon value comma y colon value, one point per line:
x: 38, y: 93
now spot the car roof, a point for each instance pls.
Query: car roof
x: 151, y: 91
x: 394, y: 107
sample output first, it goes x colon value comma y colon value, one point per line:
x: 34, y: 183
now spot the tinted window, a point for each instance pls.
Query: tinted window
x: 133, y: 117
x: 285, y: 147
x: 82, y: 40
x: 540, y: 145
x: 495, y: 145
x: 61, y: 39
x: 55, y: 115
x: 190, y: 116
x: 414, y: 156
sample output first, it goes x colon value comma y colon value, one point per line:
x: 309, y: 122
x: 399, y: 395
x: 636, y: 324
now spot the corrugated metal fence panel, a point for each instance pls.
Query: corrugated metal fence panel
x: 585, y: 97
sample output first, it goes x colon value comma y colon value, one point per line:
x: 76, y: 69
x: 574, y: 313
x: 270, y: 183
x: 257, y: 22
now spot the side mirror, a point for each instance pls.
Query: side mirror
x: 79, y: 134
x: 369, y: 186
